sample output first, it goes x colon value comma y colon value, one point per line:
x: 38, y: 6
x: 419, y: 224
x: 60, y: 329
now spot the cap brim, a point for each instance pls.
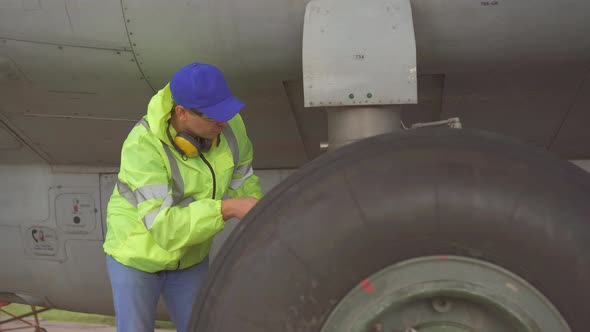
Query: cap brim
x: 224, y: 110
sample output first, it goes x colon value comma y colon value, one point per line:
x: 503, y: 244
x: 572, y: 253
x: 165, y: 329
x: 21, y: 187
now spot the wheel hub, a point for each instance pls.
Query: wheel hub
x: 445, y: 294
x: 441, y: 328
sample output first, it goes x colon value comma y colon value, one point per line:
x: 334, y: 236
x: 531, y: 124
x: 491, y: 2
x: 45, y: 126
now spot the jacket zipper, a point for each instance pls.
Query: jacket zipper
x: 212, y: 174
x: 214, y: 188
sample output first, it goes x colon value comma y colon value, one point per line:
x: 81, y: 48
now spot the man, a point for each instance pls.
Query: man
x: 177, y: 164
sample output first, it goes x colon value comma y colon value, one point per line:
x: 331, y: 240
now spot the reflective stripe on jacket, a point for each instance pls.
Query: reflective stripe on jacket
x: 163, y: 212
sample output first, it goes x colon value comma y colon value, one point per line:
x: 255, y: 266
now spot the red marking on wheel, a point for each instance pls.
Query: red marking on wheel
x: 366, y: 286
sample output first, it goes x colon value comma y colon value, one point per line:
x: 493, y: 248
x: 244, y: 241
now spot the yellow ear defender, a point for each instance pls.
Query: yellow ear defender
x: 190, y: 146
x: 193, y: 146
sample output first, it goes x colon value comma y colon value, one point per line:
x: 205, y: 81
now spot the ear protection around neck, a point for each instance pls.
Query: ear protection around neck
x: 190, y: 146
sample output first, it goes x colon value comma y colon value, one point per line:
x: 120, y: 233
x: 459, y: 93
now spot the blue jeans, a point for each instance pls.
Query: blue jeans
x: 136, y: 294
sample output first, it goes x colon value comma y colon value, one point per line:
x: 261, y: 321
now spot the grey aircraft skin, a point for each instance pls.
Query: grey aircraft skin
x: 75, y: 76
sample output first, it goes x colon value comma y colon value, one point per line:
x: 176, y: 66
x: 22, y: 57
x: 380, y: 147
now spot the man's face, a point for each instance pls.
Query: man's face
x: 196, y: 124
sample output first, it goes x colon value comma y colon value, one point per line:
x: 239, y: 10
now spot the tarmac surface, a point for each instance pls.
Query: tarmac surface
x: 54, y: 326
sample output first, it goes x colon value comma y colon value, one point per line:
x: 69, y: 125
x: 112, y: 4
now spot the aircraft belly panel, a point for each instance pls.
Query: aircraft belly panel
x: 525, y: 103
x: 70, y: 22
x: 15, y: 276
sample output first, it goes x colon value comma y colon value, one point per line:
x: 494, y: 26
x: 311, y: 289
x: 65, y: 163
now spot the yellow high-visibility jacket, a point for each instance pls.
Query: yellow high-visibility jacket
x: 164, y: 211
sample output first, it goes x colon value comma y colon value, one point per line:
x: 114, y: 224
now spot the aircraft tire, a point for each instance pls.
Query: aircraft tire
x: 473, y: 197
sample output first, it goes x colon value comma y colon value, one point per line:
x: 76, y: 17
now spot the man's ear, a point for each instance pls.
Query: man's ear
x: 180, y: 112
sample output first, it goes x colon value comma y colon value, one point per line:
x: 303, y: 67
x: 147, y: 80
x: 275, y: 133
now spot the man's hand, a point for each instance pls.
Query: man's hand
x: 237, y: 207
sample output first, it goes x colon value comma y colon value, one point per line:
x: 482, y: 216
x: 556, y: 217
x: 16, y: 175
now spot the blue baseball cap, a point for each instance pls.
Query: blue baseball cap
x: 201, y: 86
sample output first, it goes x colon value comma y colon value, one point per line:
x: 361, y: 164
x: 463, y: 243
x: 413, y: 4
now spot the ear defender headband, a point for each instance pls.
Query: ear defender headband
x: 190, y: 146
x: 193, y: 147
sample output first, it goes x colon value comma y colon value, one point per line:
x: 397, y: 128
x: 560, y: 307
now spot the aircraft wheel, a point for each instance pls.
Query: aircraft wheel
x: 420, y: 231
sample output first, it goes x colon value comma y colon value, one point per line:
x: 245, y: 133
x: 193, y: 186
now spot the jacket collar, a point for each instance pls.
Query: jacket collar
x: 158, y: 114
